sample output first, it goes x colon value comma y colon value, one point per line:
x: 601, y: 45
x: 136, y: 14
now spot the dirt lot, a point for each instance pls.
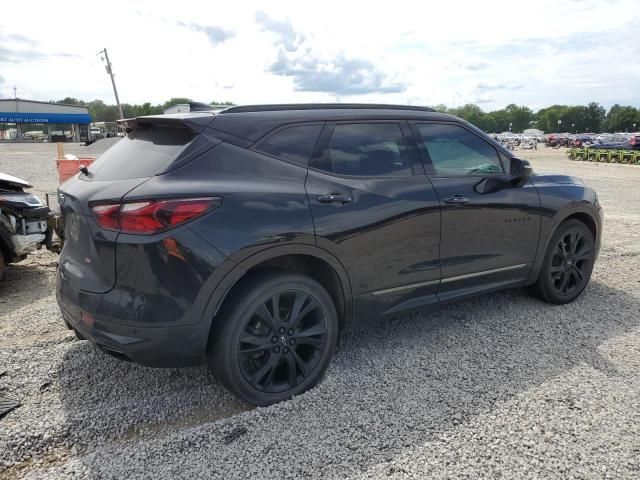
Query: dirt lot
x: 499, y: 385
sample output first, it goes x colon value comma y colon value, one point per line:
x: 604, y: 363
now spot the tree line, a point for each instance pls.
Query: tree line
x: 102, y: 112
x: 574, y: 118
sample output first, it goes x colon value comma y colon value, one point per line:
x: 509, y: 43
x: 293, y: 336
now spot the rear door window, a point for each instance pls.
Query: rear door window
x: 144, y: 152
x: 294, y: 143
x: 366, y: 149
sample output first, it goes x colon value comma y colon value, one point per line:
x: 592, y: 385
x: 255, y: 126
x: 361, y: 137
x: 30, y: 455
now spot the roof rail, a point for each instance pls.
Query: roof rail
x: 323, y: 106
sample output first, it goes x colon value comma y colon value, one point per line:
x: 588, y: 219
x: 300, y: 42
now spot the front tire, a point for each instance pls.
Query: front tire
x: 274, y: 338
x: 567, y: 264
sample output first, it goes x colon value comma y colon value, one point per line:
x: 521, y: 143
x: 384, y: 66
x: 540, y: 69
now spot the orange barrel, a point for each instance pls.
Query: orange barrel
x: 68, y: 168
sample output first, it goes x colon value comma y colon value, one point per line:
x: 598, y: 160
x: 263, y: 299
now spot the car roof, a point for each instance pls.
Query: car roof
x: 254, y: 121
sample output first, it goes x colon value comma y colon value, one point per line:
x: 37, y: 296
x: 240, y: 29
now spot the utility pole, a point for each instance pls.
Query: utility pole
x: 113, y: 82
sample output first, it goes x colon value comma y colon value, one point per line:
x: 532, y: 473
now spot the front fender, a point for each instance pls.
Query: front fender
x: 551, y: 220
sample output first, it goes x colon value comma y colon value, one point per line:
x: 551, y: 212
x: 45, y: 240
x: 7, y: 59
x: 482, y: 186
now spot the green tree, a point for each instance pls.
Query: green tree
x: 621, y: 118
x: 596, y: 115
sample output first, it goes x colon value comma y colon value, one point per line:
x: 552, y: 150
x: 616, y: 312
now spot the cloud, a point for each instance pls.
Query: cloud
x: 483, y: 100
x: 216, y: 35
x: 287, y: 37
x: 11, y: 55
x: 483, y: 87
x: 475, y: 66
x: 16, y: 37
x: 339, y: 75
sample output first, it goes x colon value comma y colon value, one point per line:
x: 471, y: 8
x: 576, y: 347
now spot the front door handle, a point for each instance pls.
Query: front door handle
x: 334, y: 198
x: 456, y: 200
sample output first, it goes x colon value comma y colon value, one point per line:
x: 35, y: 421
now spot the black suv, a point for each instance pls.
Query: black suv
x: 251, y: 238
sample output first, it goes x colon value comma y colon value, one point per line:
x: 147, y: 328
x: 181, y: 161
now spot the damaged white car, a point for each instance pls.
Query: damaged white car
x: 25, y: 222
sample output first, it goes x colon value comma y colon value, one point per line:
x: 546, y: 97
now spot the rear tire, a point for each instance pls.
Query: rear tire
x: 567, y: 264
x: 3, y: 265
x: 274, y: 338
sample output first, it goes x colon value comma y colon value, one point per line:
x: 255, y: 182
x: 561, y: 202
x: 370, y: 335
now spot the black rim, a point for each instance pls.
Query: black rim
x: 282, y: 341
x: 570, y: 262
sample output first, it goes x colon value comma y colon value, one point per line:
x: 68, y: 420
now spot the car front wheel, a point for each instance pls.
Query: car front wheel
x: 274, y: 338
x: 567, y: 264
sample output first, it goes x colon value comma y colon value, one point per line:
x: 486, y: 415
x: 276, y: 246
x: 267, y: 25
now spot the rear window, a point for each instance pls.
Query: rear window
x: 142, y: 153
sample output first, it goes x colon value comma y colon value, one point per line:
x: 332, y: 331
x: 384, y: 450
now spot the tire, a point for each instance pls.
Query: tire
x: 265, y: 359
x: 567, y: 264
x: 2, y: 265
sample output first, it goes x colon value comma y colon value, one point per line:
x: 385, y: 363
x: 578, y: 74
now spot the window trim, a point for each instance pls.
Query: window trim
x: 274, y: 131
x: 426, y: 157
x: 322, y: 147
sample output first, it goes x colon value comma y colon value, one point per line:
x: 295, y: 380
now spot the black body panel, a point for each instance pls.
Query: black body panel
x: 391, y: 242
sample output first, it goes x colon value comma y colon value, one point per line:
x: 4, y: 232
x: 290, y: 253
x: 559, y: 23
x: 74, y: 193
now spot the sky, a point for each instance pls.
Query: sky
x: 452, y: 52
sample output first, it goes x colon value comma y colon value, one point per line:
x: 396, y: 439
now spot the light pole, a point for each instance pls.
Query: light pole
x: 109, y: 68
x: 634, y: 127
x: 559, y: 123
x: 573, y: 125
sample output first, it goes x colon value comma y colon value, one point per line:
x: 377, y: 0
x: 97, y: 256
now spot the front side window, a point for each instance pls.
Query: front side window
x: 366, y: 149
x: 293, y: 143
x: 454, y: 151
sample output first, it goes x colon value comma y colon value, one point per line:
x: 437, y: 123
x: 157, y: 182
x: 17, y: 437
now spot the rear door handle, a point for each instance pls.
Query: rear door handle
x: 456, y: 200
x: 334, y: 198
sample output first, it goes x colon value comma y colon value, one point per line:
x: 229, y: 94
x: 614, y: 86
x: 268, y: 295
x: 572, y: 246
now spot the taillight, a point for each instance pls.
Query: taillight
x: 151, y: 216
x: 107, y: 216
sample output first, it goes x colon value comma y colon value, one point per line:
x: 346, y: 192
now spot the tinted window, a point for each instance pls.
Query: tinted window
x: 293, y: 143
x: 142, y: 153
x: 456, y: 151
x: 374, y: 149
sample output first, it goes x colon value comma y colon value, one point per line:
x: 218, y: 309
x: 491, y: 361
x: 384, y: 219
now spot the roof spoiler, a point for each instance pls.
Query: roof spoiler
x: 196, y: 122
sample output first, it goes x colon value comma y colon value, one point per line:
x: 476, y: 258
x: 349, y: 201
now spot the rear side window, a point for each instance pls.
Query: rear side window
x: 142, y: 153
x: 366, y: 149
x: 293, y: 143
x: 454, y: 151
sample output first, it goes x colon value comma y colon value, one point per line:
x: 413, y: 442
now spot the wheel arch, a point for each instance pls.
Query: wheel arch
x: 584, y: 214
x: 308, y: 259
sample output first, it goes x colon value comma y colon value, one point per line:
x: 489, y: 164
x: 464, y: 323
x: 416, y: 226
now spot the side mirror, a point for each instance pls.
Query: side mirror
x: 520, y: 169
x: 519, y: 172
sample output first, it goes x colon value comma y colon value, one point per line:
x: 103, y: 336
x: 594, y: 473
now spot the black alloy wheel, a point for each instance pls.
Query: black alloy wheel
x: 282, y: 341
x: 274, y: 338
x: 570, y: 261
x: 567, y: 264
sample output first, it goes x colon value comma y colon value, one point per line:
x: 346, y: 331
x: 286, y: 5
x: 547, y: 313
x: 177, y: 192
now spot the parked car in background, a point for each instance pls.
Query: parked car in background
x: 24, y: 221
x: 251, y: 238
x: 619, y: 142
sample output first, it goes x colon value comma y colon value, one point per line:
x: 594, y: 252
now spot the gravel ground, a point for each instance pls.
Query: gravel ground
x: 499, y: 385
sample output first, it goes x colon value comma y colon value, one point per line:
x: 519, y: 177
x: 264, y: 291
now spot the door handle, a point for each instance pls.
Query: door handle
x: 334, y: 198
x: 456, y: 200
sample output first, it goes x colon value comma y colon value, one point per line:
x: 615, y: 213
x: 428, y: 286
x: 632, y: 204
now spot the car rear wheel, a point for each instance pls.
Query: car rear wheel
x: 274, y: 338
x: 567, y: 264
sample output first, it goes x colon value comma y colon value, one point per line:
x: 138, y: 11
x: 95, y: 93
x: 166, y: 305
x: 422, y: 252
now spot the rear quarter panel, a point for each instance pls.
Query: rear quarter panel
x: 264, y: 205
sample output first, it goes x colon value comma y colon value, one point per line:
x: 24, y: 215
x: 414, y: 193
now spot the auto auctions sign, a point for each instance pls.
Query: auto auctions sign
x: 60, y: 118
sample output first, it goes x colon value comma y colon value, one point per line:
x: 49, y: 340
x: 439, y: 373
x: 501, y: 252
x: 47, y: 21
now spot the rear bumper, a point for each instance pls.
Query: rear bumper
x: 170, y: 346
